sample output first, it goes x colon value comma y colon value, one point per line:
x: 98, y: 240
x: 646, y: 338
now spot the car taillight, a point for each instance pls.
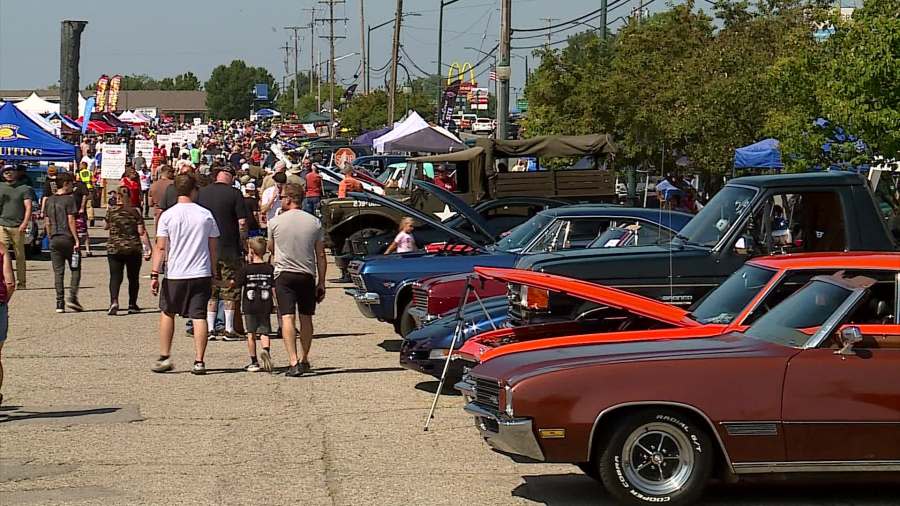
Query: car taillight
x: 534, y: 298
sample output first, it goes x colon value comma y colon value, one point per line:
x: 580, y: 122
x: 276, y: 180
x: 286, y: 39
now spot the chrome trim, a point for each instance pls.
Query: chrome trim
x: 514, y: 435
x: 737, y: 429
x: 695, y: 410
x: 397, y: 289
x: 369, y: 298
x: 421, y: 317
x: 835, y: 319
x: 839, y: 466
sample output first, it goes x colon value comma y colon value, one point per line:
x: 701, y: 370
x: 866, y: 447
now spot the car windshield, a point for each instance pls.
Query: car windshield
x: 716, y: 218
x: 724, y: 303
x: 794, y: 321
x: 520, y: 236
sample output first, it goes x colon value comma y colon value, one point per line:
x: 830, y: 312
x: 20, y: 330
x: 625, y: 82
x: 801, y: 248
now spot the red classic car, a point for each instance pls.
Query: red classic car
x: 745, y: 296
x: 811, y: 386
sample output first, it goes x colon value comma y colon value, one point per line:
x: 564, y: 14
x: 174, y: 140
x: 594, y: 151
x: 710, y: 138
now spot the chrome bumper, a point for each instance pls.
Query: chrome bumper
x: 515, y: 436
x: 363, y: 297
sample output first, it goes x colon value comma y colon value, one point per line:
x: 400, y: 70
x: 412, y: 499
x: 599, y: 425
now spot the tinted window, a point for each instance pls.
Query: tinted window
x: 520, y: 236
x: 807, y: 309
x: 714, y: 221
x: 724, y: 303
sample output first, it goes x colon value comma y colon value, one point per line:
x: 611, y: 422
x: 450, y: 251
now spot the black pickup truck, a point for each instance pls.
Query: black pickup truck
x: 750, y: 216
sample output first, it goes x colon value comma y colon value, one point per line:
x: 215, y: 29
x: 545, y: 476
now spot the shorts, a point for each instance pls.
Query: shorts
x: 227, y: 268
x: 257, y: 324
x: 295, y: 291
x: 185, y: 297
x: 4, y: 321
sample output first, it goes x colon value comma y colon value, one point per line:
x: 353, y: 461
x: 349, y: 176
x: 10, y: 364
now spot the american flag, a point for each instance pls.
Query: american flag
x: 493, y: 75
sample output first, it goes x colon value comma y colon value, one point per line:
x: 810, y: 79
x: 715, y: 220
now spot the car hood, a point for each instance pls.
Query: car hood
x: 515, y: 367
x: 637, y: 304
x: 457, y: 204
x: 534, y: 262
x: 415, y: 213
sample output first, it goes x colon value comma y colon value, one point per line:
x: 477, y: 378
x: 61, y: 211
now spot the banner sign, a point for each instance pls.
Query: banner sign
x: 145, y: 146
x: 112, y: 164
x: 448, y: 100
x: 102, y: 85
x: 113, y: 100
x: 86, y: 114
x: 164, y: 140
x: 197, y: 121
x: 261, y: 91
x: 348, y: 95
x: 150, y: 112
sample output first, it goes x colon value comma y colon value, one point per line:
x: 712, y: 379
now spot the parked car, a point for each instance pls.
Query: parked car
x: 483, y: 126
x: 812, y: 386
x: 375, y: 165
x: 383, y: 285
x: 607, y: 314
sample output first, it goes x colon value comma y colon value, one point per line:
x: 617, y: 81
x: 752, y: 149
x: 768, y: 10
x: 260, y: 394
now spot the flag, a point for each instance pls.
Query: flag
x: 86, y: 114
x: 493, y: 75
x: 113, y: 101
x: 102, y: 85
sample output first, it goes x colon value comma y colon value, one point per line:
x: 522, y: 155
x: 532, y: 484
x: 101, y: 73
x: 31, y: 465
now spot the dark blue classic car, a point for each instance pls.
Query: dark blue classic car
x: 383, y: 284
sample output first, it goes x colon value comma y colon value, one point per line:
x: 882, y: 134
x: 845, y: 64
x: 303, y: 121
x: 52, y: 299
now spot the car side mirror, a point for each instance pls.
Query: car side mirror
x: 848, y: 337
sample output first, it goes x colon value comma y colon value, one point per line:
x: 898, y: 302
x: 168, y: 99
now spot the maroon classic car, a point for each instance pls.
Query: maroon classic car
x: 811, y: 386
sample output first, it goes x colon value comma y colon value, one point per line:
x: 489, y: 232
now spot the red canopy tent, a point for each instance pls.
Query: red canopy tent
x: 98, y: 127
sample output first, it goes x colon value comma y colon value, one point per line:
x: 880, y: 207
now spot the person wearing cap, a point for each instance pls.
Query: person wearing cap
x: 226, y: 203
x: 50, y: 186
x: 349, y: 183
x: 16, y: 201
x: 251, y: 200
x: 281, y: 167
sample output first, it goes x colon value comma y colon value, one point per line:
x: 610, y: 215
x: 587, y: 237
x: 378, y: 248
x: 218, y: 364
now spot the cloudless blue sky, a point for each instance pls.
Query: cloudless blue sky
x: 167, y: 37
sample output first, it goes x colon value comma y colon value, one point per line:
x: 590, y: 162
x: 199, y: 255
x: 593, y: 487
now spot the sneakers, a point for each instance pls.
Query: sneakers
x: 113, y: 310
x: 294, y: 371
x: 232, y: 336
x: 133, y: 309
x: 266, y: 360
x: 199, y: 368
x: 163, y: 365
x: 60, y: 307
x: 252, y: 367
x: 74, y: 305
x: 304, y: 367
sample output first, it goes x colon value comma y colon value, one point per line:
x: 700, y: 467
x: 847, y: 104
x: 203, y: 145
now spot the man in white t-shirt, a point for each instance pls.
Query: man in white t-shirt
x: 186, y: 239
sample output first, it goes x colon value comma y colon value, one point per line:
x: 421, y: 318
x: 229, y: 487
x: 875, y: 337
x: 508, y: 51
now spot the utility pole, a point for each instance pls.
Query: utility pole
x: 331, y: 70
x: 604, y: 10
x: 287, y: 68
x: 549, y: 27
x: 440, y: 47
x: 398, y: 18
x: 296, y: 30
x: 362, y: 46
x: 312, y: 44
x: 503, y: 70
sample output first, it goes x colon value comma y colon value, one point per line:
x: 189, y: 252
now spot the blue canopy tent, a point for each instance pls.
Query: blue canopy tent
x: 63, y: 120
x: 368, y: 138
x: 23, y: 139
x: 267, y: 113
x: 765, y: 154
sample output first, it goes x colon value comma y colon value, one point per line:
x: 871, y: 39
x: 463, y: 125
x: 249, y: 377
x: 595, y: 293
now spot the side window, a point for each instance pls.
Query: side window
x: 795, y: 223
x: 880, y: 307
x: 787, y: 286
x: 551, y: 237
x: 582, y: 232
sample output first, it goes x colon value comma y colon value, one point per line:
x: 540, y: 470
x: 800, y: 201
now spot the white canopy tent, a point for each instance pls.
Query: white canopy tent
x: 413, y: 123
x: 36, y: 104
x: 41, y: 121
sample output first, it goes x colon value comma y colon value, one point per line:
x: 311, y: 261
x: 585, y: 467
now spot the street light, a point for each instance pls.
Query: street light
x: 369, y: 45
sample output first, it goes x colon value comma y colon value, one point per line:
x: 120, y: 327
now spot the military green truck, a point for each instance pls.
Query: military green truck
x: 475, y: 175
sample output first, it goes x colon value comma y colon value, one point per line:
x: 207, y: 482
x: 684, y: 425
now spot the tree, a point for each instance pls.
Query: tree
x: 369, y: 112
x: 229, y: 90
x: 862, y: 91
x: 284, y: 103
x: 181, y: 82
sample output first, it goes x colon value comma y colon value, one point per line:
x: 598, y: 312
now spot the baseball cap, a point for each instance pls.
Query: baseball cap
x: 245, y: 166
x: 279, y: 177
x: 224, y: 168
x: 250, y: 187
x: 7, y: 167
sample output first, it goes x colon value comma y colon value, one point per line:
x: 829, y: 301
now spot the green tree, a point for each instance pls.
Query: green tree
x: 229, y: 90
x: 369, y: 112
x: 862, y: 91
x: 284, y: 103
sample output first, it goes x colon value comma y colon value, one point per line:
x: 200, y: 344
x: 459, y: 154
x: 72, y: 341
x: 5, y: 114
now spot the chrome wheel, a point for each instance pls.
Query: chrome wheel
x: 657, y: 459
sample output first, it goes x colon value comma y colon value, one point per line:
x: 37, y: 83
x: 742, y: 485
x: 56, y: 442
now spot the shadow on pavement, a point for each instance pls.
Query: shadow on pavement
x: 431, y: 387
x: 339, y: 334
x: 16, y: 415
x: 326, y: 371
x: 391, y: 345
x: 577, y: 489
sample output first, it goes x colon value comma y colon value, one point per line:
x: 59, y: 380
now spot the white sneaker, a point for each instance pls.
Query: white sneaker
x: 199, y: 368
x: 163, y: 365
x: 266, y: 360
x: 253, y: 367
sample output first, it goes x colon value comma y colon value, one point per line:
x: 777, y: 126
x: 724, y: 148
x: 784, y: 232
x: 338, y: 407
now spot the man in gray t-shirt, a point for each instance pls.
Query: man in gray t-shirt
x: 59, y: 220
x: 297, y: 243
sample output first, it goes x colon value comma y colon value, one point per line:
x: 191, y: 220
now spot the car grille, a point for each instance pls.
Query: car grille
x: 358, y: 282
x: 358, y: 247
x: 487, y: 393
x: 420, y: 297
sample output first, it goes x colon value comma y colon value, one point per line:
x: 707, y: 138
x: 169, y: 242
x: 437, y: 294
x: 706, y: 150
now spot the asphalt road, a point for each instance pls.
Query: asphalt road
x: 84, y: 421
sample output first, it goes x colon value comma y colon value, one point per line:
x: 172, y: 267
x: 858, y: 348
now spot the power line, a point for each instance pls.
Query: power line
x: 550, y: 27
x: 612, y: 6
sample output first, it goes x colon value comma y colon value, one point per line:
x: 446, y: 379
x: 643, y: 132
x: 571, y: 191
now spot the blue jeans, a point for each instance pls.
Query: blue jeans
x: 311, y: 204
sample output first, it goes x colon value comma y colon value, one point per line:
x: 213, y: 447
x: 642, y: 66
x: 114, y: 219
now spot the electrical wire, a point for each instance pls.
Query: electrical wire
x: 413, y: 63
x: 550, y: 27
x: 611, y: 7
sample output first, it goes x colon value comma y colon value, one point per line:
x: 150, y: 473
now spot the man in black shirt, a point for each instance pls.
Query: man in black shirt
x: 59, y: 221
x: 226, y: 203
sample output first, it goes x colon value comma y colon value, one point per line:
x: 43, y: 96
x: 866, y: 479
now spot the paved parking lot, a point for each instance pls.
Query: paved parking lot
x: 86, y: 422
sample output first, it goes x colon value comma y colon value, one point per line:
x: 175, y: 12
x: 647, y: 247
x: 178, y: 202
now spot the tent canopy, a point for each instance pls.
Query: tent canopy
x: 412, y: 123
x: 555, y: 145
x: 316, y: 117
x: 267, y: 113
x: 23, y: 139
x: 369, y: 137
x: 428, y: 140
x: 97, y: 126
x: 64, y: 121
x: 35, y: 103
x: 765, y: 154
x: 457, y: 156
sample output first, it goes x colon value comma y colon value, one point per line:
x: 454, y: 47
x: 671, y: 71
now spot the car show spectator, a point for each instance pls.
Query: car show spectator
x: 128, y: 243
x: 16, y: 202
x: 60, y: 211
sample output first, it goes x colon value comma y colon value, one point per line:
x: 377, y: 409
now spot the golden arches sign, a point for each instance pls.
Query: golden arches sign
x: 461, y: 73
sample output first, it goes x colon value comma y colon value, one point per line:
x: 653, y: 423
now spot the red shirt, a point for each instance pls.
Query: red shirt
x: 134, y: 191
x: 313, y: 185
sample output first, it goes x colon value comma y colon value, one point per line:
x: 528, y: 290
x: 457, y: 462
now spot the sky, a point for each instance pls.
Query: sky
x: 163, y: 38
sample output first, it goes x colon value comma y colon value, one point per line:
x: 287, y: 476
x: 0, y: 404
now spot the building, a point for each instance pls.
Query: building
x: 182, y: 105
